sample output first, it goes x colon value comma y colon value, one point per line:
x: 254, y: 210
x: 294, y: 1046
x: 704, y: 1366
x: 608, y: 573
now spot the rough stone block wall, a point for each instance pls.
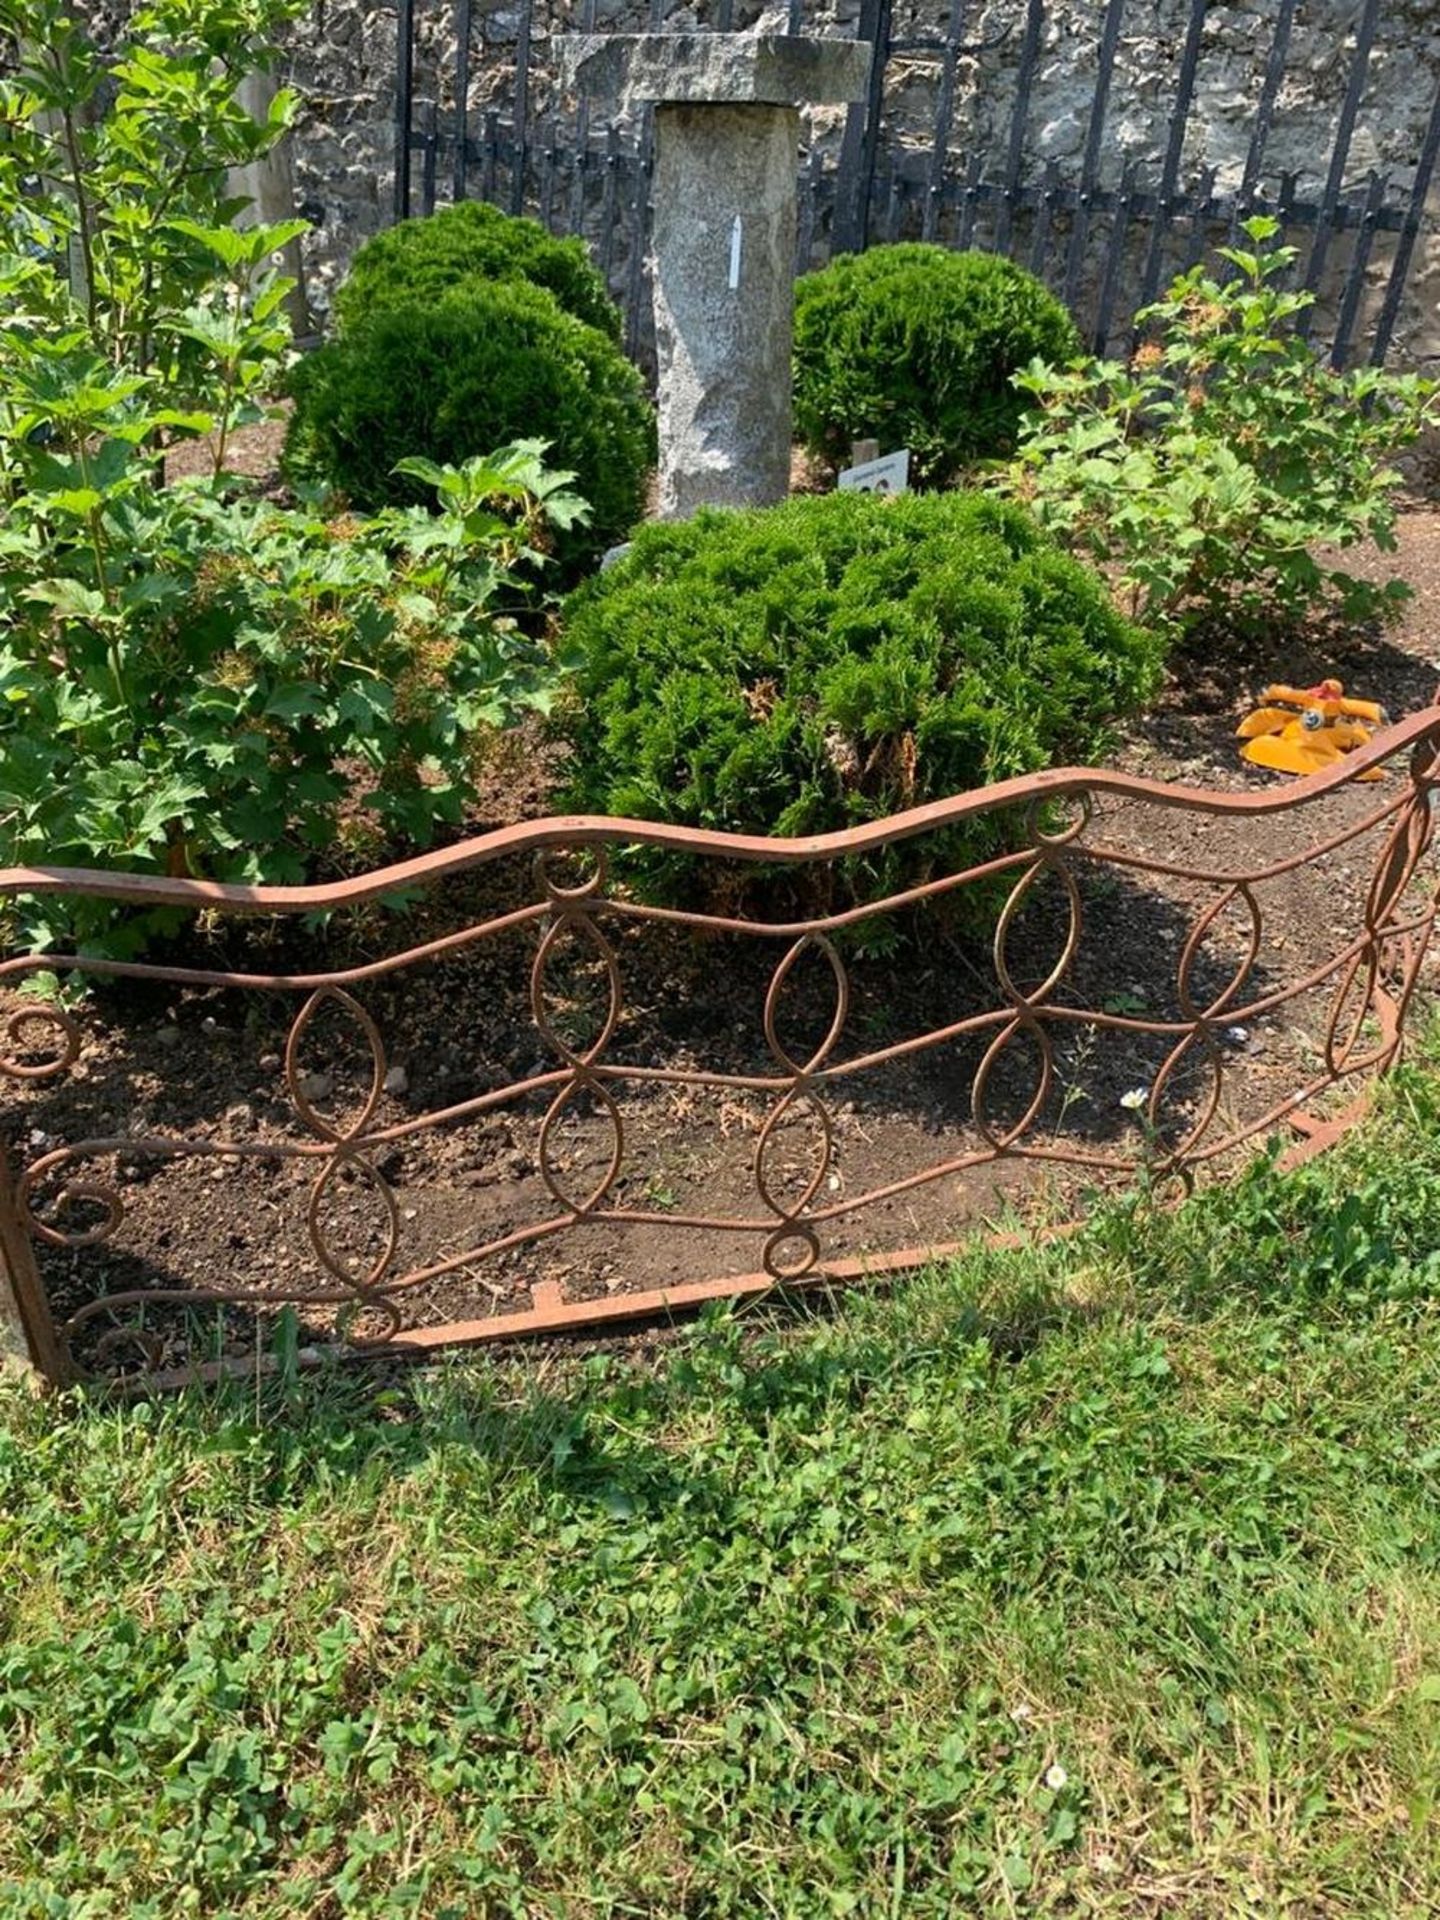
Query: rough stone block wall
x: 343, y: 57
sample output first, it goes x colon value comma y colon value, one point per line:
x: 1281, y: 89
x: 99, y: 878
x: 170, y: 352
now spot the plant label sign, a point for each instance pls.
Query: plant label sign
x: 889, y: 474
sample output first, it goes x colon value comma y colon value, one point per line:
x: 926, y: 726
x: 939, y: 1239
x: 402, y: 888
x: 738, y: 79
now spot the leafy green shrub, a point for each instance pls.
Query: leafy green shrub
x: 115, y: 210
x: 446, y: 379
x: 192, y: 684
x: 193, y: 681
x: 915, y: 346
x: 1206, y: 470
x: 420, y: 260
x: 834, y: 660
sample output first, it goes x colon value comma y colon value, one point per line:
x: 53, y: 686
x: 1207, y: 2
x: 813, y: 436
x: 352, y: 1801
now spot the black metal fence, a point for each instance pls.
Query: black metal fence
x: 479, y: 113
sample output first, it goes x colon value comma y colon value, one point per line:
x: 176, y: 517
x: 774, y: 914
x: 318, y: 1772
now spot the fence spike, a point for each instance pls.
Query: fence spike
x: 1090, y: 163
x: 461, y: 156
x: 1409, y: 233
x: 1015, y: 156
x: 1174, y: 153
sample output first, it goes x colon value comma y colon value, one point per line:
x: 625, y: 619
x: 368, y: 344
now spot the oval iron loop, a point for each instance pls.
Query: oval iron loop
x: 579, y: 1209
x: 1191, y: 952
x: 1034, y: 1031
x: 579, y: 927
x: 316, y: 1122
x: 819, y: 943
x: 1030, y: 880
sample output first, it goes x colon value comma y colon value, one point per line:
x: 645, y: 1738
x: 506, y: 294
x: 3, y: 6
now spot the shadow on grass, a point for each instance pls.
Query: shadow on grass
x: 1353, y: 1235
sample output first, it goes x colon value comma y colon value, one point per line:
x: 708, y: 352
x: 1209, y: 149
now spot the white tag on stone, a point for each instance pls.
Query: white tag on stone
x: 889, y: 474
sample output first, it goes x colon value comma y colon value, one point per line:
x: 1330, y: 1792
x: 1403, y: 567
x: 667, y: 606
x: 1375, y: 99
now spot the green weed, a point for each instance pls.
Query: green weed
x: 1100, y: 1578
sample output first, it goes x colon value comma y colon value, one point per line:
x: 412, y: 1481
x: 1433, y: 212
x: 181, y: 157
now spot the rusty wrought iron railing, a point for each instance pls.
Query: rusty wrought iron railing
x: 345, y: 1204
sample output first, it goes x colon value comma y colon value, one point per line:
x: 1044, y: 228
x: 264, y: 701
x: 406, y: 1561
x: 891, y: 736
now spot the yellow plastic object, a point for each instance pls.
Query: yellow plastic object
x: 1326, y: 728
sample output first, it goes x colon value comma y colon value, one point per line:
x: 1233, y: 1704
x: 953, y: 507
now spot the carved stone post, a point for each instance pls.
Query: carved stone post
x: 727, y: 131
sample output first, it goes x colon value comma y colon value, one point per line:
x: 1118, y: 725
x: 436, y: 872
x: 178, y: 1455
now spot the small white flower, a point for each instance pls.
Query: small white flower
x: 1135, y: 1099
x: 1022, y: 1711
x: 1056, y: 1777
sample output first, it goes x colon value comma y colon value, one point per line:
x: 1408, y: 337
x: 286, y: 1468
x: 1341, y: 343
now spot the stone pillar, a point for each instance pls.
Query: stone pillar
x: 727, y: 131
x: 268, y: 184
x: 724, y: 240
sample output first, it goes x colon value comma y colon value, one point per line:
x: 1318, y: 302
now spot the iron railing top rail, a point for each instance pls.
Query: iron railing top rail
x: 596, y: 830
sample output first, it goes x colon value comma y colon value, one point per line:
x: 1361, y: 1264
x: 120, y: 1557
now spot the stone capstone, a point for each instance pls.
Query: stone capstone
x: 720, y: 69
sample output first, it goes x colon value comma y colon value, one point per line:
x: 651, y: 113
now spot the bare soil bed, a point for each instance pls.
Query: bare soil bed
x: 205, y: 1064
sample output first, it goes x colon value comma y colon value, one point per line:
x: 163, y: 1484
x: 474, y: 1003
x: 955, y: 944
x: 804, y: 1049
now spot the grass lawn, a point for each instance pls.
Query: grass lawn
x: 1102, y: 1579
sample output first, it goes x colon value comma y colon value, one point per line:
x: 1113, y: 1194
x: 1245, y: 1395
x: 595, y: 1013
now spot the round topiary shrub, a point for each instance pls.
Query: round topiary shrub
x: 914, y: 346
x: 421, y: 260
x: 486, y: 364
x: 835, y: 660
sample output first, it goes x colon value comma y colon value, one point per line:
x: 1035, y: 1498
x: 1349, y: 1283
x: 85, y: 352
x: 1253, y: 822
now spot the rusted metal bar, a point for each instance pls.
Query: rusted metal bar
x: 1335, y: 178
x: 1367, y: 981
x: 582, y: 830
x: 1409, y: 233
x: 552, y: 1314
x: 27, y: 1330
x: 1019, y: 118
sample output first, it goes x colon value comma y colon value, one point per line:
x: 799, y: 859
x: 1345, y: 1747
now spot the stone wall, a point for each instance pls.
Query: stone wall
x: 343, y: 58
